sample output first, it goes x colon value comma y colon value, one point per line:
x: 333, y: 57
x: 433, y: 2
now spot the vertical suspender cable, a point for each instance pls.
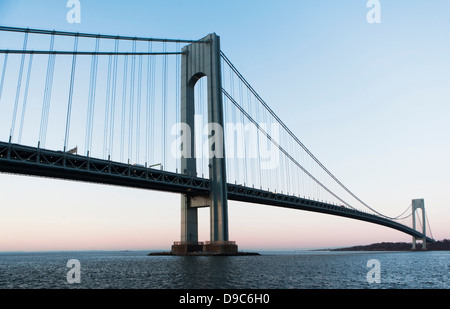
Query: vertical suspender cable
x: 2, y: 80
x: 297, y: 173
x: 131, y: 111
x: 148, y: 107
x: 280, y: 177
x: 429, y: 227
x: 164, y: 103
x: 244, y: 159
x: 252, y: 142
x: 107, y: 107
x: 25, y: 97
x: 225, y: 114
x: 69, y: 104
x: 204, y: 109
x: 233, y: 121
x: 177, y: 95
x: 199, y: 108
x: 286, y: 166
x: 198, y: 136
x: 124, y: 102
x: 272, y: 179
x: 152, y: 108
x: 19, y: 85
x: 226, y: 139
x: 113, y: 99
x: 47, y: 95
x: 91, y: 100
x: 258, y: 162
x: 138, y: 109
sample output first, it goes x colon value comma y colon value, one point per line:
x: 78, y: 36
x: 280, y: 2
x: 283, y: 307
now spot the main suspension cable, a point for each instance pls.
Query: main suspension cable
x: 295, y: 138
x: 282, y: 149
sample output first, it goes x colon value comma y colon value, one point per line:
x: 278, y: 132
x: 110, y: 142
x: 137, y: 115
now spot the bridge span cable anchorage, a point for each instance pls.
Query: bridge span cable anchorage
x: 230, y: 64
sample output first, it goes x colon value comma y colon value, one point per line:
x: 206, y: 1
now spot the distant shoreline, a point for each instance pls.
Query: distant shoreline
x: 441, y: 245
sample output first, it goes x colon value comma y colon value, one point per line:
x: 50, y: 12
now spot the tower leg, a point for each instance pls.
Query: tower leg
x: 419, y: 204
x: 424, y: 241
x: 189, y: 221
x: 199, y: 60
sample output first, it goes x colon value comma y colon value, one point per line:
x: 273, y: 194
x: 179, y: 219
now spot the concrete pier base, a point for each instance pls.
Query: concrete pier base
x: 221, y: 247
x: 180, y: 248
x: 209, y: 248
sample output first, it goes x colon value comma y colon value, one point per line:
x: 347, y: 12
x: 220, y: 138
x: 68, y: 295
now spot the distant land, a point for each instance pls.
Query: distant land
x: 440, y: 245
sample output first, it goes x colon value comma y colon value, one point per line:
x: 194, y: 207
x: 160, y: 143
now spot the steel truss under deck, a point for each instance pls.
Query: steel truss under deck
x: 26, y: 160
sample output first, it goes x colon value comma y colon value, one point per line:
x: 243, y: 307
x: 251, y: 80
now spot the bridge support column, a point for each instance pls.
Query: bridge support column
x: 199, y: 60
x: 419, y: 204
x: 189, y: 214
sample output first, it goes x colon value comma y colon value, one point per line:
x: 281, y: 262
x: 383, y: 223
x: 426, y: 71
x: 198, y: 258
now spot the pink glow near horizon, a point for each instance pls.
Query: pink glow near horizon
x: 94, y: 220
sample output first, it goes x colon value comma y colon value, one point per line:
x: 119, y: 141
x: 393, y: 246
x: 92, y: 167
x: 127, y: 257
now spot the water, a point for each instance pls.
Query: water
x: 271, y: 270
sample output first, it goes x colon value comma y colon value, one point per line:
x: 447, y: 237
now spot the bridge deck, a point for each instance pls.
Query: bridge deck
x: 26, y: 160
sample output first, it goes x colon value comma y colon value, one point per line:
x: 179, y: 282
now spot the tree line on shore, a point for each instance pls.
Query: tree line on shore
x: 440, y: 245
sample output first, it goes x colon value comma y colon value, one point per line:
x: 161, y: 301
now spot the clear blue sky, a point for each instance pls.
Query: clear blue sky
x: 371, y: 101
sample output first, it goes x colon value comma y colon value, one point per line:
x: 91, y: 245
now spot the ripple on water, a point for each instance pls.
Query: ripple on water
x: 300, y: 270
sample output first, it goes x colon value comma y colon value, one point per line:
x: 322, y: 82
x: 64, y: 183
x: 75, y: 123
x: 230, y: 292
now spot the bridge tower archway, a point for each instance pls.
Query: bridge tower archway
x: 419, y: 204
x: 199, y: 60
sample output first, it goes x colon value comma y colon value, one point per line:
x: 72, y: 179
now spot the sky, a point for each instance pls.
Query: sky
x: 370, y: 100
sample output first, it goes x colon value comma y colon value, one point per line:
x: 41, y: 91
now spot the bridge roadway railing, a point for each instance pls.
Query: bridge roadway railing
x: 20, y: 159
x: 26, y: 160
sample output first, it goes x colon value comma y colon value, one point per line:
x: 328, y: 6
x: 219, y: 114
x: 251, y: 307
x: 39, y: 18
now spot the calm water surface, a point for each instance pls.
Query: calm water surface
x: 271, y: 270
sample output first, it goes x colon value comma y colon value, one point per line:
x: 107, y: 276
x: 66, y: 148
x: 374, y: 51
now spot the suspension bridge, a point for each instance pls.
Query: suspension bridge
x: 162, y: 114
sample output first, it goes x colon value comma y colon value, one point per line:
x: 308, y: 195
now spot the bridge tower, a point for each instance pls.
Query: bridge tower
x: 199, y: 60
x: 419, y: 204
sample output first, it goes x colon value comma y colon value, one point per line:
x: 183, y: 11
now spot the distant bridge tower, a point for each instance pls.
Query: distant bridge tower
x: 419, y: 204
x: 199, y: 60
